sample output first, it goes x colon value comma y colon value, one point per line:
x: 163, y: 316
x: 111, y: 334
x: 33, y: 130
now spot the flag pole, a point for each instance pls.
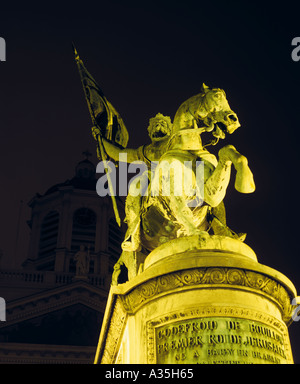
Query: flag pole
x: 100, y: 146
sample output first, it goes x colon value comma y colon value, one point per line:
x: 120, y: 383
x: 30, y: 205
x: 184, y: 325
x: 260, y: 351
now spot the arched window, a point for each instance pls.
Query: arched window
x: 115, y: 238
x: 48, y: 234
x: 84, y: 229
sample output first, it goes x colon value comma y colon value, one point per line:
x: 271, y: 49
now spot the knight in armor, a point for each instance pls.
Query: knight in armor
x: 160, y: 130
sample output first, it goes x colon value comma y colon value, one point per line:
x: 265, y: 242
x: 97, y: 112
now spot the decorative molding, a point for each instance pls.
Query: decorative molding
x: 114, y: 333
x: 206, y: 278
x: 23, y: 353
x: 52, y: 300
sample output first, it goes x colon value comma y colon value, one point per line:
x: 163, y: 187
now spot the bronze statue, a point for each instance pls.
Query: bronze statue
x: 156, y: 217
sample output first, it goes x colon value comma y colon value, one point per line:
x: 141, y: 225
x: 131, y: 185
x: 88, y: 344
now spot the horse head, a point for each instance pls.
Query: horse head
x: 209, y: 111
x: 215, y: 112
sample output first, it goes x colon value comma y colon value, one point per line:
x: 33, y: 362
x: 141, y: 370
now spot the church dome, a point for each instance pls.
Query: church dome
x: 85, y: 169
x: 84, y: 178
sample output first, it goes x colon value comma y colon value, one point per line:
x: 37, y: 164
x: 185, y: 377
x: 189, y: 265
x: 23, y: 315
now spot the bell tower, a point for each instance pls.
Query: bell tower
x: 56, y: 302
x: 70, y: 216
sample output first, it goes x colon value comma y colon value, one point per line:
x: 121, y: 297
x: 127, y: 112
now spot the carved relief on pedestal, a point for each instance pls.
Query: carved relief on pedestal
x: 205, y: 278
x: 114, y: 333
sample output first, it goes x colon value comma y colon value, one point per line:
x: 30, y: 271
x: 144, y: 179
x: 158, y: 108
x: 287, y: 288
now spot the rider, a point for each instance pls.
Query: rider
x: 159, y: 129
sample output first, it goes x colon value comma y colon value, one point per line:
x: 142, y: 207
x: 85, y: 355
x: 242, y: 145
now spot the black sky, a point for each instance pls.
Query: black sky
x: 148, y: 57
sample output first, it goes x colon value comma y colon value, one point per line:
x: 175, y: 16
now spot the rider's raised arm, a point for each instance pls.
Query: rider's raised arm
x: 114, y: 151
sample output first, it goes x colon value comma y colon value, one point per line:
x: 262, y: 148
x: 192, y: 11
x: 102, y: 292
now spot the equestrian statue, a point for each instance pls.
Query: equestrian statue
x: 183, y: 185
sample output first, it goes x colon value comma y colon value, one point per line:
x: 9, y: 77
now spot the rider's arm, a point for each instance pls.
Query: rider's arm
x: 113, y: 151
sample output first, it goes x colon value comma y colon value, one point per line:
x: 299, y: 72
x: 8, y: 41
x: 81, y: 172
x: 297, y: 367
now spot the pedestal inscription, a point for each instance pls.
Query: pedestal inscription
x: 219, y: 340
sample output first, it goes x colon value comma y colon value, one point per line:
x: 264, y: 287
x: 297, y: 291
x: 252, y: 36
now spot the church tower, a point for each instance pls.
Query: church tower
x: 55, y: 303
x: 69, y: 216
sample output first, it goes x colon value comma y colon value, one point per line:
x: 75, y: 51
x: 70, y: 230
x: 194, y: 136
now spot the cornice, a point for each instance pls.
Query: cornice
x: 22, y: 353
x: 52, y: 300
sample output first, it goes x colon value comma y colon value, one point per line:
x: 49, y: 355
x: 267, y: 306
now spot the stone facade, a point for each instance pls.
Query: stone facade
x: 53, y: 312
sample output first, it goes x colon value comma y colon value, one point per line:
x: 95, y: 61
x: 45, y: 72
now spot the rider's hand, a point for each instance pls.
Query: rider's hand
x: 95, y: 132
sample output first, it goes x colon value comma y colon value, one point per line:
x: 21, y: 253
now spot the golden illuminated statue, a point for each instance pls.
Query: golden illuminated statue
x: 157, y: 217
x: 161, y: 211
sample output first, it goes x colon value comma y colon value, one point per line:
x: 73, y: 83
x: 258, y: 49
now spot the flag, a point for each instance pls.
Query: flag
x: 103, y: 114
x: 105, y: 117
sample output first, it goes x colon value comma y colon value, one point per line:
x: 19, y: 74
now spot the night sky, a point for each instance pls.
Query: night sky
x: 149, y: 57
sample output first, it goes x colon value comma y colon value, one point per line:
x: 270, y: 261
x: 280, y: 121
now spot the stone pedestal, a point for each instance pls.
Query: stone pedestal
x: 199, y: 300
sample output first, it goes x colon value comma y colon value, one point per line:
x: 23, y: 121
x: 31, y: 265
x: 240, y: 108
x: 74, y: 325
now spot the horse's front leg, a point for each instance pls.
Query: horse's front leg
x: 244, y: 181
x: 216, y: 184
